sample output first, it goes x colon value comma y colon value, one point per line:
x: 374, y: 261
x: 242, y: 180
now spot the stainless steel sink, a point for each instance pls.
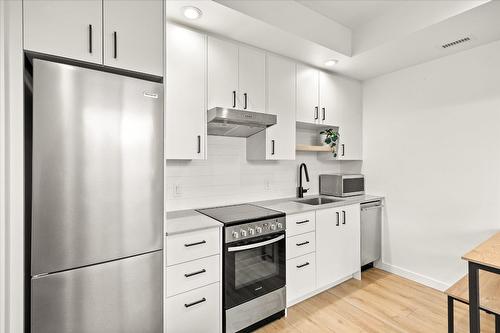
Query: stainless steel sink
x: 318, y: 201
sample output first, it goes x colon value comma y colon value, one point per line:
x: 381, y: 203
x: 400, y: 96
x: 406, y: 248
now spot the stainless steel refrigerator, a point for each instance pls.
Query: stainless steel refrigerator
x: 97, y: 202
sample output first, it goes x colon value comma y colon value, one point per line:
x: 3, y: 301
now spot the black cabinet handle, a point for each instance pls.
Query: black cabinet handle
x: 194, y: 303
x: 343, y: 149
x: 90, y: 38
x: 316, y: 112
x: 197, y: 243
x: 199, y: 144
x: 115, y: 42
x: 343, y: 217
x: 272, y: 147
x: 303, y: 265
x: 338, y: 219
x: 303, y: 243
x: 245, y: 96
x: 195, y: 273
x: 301, y: 222
x: 324, y: 113
x: 234, y: 98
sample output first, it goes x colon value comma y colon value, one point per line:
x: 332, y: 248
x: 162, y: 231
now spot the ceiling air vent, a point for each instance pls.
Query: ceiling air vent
x: 456, y: 42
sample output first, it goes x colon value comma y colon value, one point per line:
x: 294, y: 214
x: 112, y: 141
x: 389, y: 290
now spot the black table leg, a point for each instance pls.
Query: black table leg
x: 451, y: 328
x: 474, y: 318
x: 497, y: 323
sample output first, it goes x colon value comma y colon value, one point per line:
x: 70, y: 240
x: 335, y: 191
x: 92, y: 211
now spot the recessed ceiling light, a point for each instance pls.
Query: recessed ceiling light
x: 331, y: 62
x: 191, y: 12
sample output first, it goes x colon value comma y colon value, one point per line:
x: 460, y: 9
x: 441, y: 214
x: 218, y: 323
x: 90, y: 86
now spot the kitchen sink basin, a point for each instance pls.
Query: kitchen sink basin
x: 317, y: 201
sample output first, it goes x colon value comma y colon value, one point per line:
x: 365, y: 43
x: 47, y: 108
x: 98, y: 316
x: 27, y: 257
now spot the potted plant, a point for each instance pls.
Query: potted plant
x: 329, y: 137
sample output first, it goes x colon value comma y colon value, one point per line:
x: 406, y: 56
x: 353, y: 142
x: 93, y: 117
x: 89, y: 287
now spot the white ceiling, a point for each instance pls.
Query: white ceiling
x: 369, y: 38
x: 350, y: 13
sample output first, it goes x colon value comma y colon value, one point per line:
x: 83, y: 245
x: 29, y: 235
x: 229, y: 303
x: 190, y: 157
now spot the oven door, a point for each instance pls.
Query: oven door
x: 253, y: 267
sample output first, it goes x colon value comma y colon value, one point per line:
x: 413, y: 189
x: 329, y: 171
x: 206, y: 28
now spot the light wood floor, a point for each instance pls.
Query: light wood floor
x: 381, y: 302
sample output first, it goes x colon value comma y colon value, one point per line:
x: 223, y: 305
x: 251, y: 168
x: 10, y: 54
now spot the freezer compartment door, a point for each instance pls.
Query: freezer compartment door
x: 122, y: 296
x: 97, y: 167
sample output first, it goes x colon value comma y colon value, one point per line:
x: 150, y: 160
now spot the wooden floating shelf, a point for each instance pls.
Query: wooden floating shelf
x: 300, y: 147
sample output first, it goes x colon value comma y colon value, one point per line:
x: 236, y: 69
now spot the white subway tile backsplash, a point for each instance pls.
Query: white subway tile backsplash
x: 226, y: 177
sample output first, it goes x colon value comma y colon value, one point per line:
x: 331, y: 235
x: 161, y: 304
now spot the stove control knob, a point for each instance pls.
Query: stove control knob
x: 243, y: 233
x: 236, y: 235
x: 258, y: 230
x: 273, y: 227
x: 279, y: 225
x: 251, y: 231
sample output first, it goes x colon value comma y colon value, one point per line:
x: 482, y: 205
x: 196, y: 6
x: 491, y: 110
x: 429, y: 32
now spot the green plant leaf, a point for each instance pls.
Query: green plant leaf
x: 328, y: 140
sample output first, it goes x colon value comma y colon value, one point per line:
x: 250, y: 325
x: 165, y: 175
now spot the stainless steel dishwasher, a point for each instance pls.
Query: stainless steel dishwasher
x: 371, y: 231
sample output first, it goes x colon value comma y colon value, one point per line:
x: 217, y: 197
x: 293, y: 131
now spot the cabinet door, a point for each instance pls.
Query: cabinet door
x: 197, y: 310
x: 185, y: 86
x: 133, y: 35
x: 328, y: 95
x: 351, y: 240
x: 329, y: 246
x: 222, y: 73
x: 252, y: 79
x: 307, y: 94
x: 300, y: 277
x: 70, y: 28
x: 281, y: 102
x: 350, y: 126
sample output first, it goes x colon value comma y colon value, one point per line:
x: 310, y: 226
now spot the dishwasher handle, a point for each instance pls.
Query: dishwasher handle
x: 372, y: 207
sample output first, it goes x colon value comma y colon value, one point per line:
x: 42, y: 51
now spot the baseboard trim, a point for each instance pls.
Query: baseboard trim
x: 422, y: 279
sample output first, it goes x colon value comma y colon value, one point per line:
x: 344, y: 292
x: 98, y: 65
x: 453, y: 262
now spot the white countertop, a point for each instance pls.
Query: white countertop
x: 188, y: 220
x: 182, y: 221
x: 290, y: 206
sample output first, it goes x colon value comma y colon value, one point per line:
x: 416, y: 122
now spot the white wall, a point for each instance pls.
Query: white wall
x: 432, y: 147
x: 226, y: 177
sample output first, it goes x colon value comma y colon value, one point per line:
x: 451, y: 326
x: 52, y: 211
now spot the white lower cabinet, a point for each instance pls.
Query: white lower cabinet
x: 193, y: 282
x: 195, y: 311
x: 300, y: 277
x: 191, y: 275
x: 300, y: 245
x: 322, y: 249
x: 301, y: 257
x: 337, y: 243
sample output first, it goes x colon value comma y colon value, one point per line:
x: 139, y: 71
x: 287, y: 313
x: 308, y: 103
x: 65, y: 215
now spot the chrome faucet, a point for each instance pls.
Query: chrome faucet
x: 300, y: 189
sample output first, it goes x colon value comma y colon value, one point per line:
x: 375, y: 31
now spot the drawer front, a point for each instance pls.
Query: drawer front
x: 301, y: 244
x: 195, y: 311
x: 300, y: 276
x: 192, y: 245
x: 300, y: 223
x: 191, y: 275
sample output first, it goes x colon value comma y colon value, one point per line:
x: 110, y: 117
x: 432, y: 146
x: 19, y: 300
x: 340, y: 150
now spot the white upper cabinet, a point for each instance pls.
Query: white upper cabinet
x: 133, y: 35
x: 350, y: 126
x: 307, y: 94
x: 70, y: 28
x: 251, y: 79
x: 236, y: 76
x: 337, y: 244
x: 348, y: 117
x: 328, y: 100
x: 185, y: 93
x: 131, y: 38
x: 281, y: 102
x: 278, y: 141
x: 222, y: 73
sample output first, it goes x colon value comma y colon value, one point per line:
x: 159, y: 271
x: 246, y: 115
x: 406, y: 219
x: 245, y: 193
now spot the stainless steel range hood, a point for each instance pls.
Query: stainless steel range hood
x: 239, y: 123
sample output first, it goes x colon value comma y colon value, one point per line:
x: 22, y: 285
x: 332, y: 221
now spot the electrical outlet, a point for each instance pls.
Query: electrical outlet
x: 177, y: 190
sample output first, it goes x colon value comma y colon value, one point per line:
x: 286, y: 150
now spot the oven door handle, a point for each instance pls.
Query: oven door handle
x: 253, y: 246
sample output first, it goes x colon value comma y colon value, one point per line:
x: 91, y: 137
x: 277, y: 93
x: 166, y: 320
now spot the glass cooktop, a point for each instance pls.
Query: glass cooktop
x: 244, y: 213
